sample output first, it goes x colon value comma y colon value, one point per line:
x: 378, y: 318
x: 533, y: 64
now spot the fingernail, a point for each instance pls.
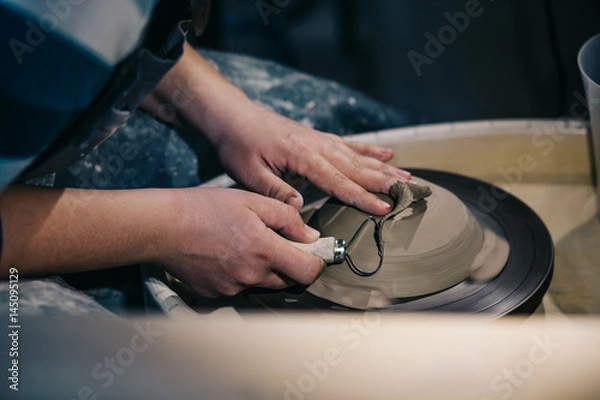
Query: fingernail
x: 313, y: 233
x: 382, y: 204
x: 295, y: 201
x: 403, y: 174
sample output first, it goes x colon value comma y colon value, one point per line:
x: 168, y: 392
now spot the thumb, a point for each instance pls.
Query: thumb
x: 272, y: 186
x: 284, y: 219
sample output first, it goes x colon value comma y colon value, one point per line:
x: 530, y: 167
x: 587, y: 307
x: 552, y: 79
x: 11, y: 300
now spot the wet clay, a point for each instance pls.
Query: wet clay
x: 430, y: 244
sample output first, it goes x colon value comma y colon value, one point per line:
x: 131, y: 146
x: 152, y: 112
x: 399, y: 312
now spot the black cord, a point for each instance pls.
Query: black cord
x: 556, y: 56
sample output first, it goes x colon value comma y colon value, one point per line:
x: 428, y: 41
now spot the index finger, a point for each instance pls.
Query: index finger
x: 332, y: 181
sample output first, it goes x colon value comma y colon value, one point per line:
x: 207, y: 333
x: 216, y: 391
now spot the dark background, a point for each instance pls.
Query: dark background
x: 517, y: 59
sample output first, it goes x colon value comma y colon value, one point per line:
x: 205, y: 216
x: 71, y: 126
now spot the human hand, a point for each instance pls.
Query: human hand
x: 258, y: 146
x: 225, y: 240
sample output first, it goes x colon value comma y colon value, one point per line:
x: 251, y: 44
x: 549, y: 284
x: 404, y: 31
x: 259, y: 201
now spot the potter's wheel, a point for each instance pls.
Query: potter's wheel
x: 518, y: 288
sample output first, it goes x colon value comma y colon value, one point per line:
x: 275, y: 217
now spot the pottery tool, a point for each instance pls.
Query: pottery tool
x: 334, y: 251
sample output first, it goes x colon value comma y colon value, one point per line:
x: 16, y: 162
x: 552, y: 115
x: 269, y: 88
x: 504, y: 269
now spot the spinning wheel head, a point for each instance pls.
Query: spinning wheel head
x: 484, y: 237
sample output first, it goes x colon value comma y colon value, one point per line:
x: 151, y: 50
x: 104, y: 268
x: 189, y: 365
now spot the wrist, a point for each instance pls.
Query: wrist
x: 157, y: 224
x: 194, y: 95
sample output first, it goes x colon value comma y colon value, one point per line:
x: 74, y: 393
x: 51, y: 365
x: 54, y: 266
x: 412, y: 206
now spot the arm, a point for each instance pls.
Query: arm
x: 218, y: 241
x: 256, y: 145
x: 50, y: 230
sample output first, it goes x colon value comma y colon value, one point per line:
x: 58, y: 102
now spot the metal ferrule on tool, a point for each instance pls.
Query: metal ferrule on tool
x: 329, y: 249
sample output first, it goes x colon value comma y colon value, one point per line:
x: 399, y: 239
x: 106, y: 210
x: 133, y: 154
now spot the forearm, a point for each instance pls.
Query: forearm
x: 48, y: 230
x: 194, y: 96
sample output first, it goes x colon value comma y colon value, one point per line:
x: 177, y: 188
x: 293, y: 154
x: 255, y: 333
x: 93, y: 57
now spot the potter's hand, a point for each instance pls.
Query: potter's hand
x: 227, y: 240
x: 257, y: 146
x: 218, y: 241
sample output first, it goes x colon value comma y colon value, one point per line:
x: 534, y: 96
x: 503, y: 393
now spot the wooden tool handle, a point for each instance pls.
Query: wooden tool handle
x: 328, y: 249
